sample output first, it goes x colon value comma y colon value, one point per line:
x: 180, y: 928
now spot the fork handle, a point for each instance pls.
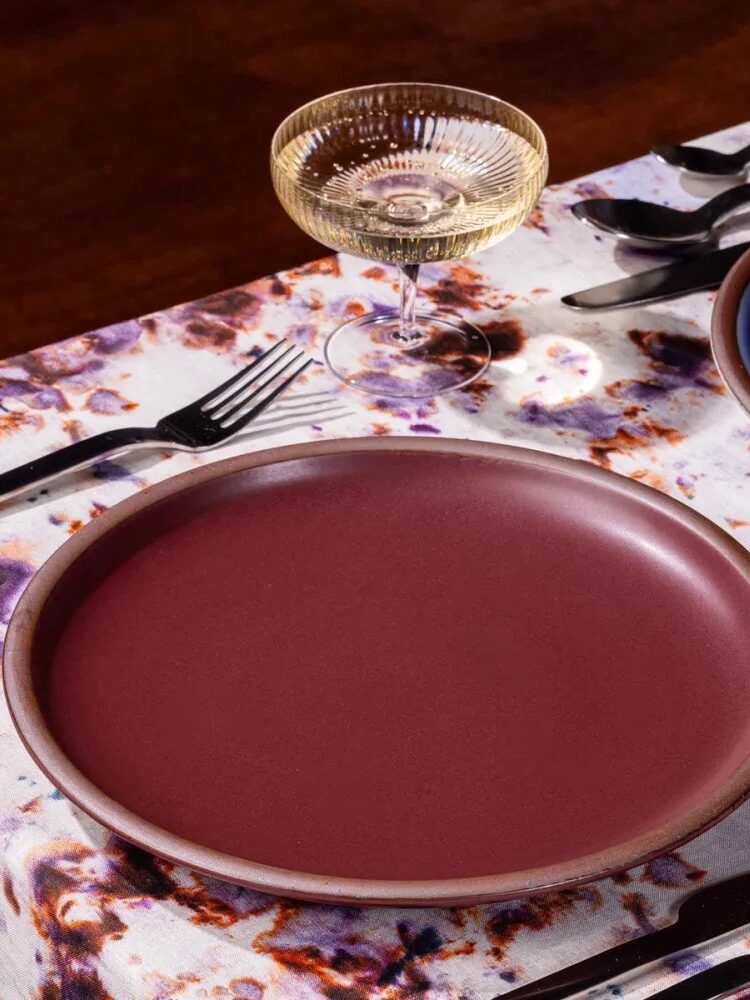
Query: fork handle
x: 76, y: 456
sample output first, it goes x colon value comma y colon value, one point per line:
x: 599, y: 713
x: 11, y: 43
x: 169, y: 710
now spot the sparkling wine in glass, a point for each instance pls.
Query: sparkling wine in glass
x: 405, y: 173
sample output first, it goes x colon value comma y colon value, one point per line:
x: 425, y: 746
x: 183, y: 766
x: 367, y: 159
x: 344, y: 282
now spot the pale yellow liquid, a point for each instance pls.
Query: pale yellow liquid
x: 406, y: 186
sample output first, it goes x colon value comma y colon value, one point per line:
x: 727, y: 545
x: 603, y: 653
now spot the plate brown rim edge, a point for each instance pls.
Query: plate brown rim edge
x: 724, y: 345
x: 31, y: 727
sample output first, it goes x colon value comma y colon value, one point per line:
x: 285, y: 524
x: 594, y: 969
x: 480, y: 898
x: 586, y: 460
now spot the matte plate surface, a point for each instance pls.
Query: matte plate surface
x: 392, y: 671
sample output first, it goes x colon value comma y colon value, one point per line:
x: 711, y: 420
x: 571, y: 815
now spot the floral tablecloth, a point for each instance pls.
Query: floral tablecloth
x: 83, y: 916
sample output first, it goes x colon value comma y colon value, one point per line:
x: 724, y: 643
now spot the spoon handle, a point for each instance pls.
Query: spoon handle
x: 742, y: 156
x: 724, y: 205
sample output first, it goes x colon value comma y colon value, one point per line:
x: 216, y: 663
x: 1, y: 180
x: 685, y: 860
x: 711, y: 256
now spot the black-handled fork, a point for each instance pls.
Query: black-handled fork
x: 209, y: 421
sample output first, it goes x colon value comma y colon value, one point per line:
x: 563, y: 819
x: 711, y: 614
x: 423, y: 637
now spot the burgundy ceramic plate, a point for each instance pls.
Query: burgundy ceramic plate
x: 392, y: 671
x: 730, y: 331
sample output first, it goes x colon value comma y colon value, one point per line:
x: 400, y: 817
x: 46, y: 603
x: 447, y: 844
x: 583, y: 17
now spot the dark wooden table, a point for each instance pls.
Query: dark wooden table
x: 134, y: 174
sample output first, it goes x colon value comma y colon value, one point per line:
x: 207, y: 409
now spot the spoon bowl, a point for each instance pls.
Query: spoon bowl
x: 642, y: 224
x: 704, y: 162
x: 654, y: 227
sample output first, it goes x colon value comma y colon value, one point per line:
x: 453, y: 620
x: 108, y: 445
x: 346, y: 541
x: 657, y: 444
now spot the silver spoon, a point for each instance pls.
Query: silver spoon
x: 644, y: 224
x: 704, y: 162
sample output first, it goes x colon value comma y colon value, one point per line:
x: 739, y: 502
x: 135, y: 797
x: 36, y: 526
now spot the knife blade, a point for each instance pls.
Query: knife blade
x: 682, y: 278
x: 719, y: 981
x: 703, y: 916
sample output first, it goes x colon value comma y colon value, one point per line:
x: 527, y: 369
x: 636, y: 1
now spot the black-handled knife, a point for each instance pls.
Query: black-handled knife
x: 704, y: 915
x: 720, y: 981
x: 695, y: 275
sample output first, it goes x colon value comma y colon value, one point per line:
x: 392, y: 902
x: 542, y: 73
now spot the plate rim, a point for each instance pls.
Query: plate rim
x: 723, y: 339
x: 32, y: 729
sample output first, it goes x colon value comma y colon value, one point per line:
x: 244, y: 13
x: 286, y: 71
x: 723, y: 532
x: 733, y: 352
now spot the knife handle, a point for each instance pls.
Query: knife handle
x: 601, y: 968
x: 720, y: 981
x: 709, y: 913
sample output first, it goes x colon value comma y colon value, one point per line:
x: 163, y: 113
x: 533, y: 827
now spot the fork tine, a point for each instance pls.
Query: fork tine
x: 257, y: 388
x: 230, y: 382
x: 213, y: 409
x: 267, y: 400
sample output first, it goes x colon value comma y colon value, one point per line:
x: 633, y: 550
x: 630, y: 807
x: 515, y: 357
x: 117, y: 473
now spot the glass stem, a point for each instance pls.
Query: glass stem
x: 407, y: 332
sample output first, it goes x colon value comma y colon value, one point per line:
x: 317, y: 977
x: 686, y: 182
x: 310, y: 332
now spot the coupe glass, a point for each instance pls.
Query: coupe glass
x: 406, y: 173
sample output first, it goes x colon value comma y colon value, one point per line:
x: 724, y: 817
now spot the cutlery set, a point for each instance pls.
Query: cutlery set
x: 649, y: 226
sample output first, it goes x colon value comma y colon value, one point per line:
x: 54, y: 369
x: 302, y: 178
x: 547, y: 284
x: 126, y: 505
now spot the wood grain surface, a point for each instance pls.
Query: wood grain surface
x: 134, y: 166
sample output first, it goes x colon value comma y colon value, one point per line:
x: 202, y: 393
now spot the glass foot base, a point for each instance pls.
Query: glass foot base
x: 367, y: 354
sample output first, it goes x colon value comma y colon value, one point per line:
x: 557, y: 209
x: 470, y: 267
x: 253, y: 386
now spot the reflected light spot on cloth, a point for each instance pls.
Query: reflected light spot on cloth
x: 551, y: 370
